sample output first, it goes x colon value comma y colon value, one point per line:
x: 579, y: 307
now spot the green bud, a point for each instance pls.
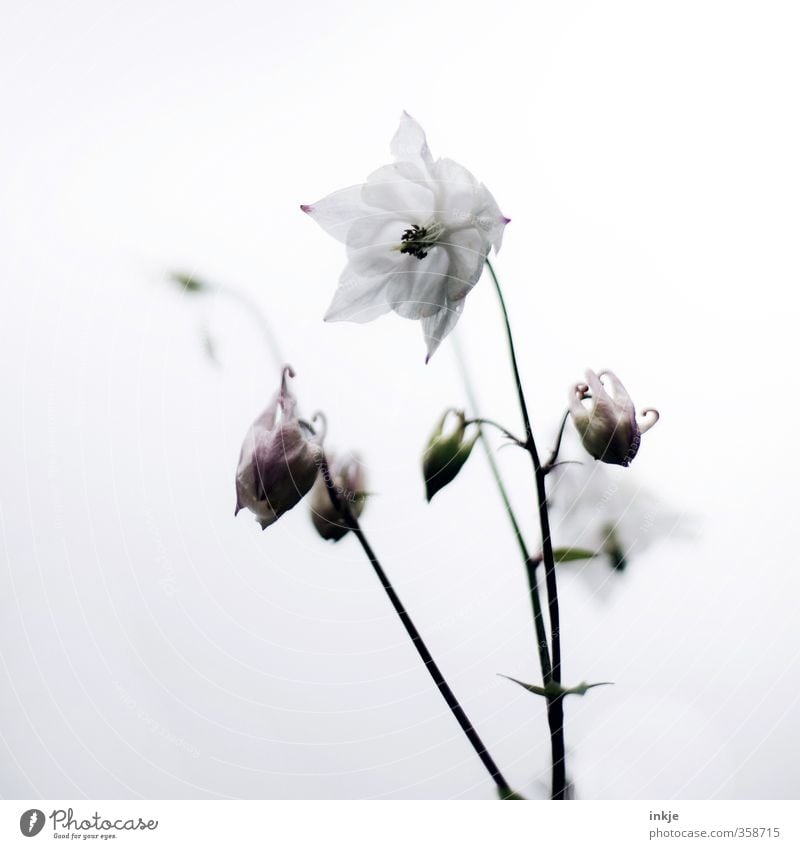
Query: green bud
x: 189, y: 283
x: 446, y: 454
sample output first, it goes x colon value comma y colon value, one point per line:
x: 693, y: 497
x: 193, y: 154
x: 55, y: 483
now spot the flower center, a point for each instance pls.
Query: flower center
x: 417, y: 240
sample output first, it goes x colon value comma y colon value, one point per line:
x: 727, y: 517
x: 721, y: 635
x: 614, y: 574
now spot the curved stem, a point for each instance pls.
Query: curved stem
x: 551, y: 460
x: 251, y: 307
x: 507, y: 433
x: 555, y: 711
x: 191, y: 282
x: 530, y: 562
x: 343, y: 508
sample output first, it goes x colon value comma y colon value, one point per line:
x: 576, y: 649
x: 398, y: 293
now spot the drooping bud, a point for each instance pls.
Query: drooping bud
x: 445, y: 454
x: 346, y: 474
x: 608, y: 428
x: 279, y: 460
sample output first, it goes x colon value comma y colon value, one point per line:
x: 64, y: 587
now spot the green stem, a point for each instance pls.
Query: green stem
x: 529, y: 562
x: 555, y: 710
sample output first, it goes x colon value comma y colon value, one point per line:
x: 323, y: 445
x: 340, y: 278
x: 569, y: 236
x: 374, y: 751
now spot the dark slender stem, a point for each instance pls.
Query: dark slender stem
x: 494, y: 424
x: 555, y: 709
x: 530, y: 562
x: 551, y: 460
x: 342, y: 507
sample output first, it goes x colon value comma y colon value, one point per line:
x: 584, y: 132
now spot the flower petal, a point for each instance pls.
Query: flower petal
x: 400, y: 188
x: 373, y: 245
x: 467, y: 251
x: 489, y: 218
x: 619, y: 392
x: 435, y: 327
x: 410, y: 145
x: 338, y: 211
x: 419, y: 288
x: 456, y: 194
x: 358, y: 299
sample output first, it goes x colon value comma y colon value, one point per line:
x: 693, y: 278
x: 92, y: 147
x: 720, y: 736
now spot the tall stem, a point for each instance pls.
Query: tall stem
x: 529, y: 562
x: 555, y: 706
x: 343, y: 508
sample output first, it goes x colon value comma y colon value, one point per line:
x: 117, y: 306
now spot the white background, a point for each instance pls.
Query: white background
x: 153, y: 646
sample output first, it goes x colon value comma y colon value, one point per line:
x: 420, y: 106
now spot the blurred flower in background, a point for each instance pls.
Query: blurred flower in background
x: 349, y: 478
x: 604, y: 509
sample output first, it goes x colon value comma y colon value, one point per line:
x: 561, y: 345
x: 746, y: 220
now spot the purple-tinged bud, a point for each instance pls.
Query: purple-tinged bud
x: 608, y: 428
x: 348, y: 477
x: 279, y: 460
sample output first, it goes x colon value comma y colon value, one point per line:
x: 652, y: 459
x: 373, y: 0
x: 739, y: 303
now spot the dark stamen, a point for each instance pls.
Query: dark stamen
x: 415, y: 241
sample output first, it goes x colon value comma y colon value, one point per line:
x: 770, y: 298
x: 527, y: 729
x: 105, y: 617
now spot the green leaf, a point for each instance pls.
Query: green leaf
x: 552, y: 690
x: 565, y: 555
x: 581, y: 689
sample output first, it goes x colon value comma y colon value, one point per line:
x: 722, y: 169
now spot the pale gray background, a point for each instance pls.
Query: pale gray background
x: 150, y: 644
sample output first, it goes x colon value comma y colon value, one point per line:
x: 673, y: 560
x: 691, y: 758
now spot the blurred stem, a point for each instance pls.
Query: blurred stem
x: 201, y: 286
x: 343, y: 508
x: 555, y: 706
x: 258, y: 316
x: 529, y: 562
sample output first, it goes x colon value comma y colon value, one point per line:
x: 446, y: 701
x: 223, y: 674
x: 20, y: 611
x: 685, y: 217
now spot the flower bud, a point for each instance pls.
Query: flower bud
x: 445, y: 454
x: 608, y: 428
x: 279, y: 461
x: 347, y: 476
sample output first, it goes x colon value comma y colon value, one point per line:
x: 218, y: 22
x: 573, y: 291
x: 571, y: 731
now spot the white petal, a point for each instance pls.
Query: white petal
x: 410, y: 145
x: 620, y: 393
x: 456, y: 194
x: 463, y: 202
x: 400, y: 188
x: 419, y: 288
x: 489, y: 218
x: 378, y: 228
x: 438, y: 325
x: 338, y: 211
x: 358, y: 299
x: 373, y: 245
x: 467, y: 250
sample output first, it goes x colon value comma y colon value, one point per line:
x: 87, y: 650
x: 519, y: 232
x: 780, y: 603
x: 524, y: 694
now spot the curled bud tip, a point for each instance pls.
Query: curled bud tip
x: 505, y: 220
x: 307, y: 208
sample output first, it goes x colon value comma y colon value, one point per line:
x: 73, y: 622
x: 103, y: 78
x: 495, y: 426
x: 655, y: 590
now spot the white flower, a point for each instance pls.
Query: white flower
x: 417, y: 234
x: 608, y: 428
x: 278, y: 463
